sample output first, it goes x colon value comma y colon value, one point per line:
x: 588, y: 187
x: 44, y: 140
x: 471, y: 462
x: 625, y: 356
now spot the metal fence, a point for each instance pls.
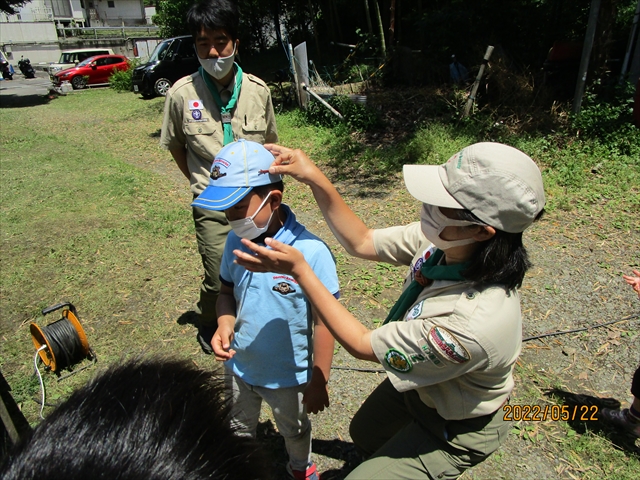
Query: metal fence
x: 107, y: 32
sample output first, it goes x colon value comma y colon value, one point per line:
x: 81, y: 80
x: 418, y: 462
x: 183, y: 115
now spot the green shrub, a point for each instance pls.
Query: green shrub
x: 607, y: 117
x: 121, y: 81
x: 357, y: 117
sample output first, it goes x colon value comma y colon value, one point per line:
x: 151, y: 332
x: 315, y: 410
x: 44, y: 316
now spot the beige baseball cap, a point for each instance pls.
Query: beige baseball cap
x: 499, y: 184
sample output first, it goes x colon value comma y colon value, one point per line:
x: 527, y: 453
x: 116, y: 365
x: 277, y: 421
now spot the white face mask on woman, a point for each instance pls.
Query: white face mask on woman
x: 219, y: 67
x: 246, y: 227
x: 433, y: 222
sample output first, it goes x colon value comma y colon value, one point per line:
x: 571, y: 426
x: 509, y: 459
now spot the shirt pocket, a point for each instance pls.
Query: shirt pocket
x: 202, y: 138
x: 254, y: 128
x: 199, y: 128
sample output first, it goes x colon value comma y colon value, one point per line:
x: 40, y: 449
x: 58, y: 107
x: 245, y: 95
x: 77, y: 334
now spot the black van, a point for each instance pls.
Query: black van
x: 171, y: 60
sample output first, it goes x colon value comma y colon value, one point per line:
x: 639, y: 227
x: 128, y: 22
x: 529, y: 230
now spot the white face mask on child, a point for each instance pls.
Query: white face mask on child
x: 246, y: 227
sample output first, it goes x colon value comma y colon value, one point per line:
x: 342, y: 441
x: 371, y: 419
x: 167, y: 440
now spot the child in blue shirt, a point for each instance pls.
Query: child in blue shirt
x: 265, y: 336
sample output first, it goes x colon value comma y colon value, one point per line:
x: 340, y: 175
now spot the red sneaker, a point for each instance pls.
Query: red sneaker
x: 311, y: 473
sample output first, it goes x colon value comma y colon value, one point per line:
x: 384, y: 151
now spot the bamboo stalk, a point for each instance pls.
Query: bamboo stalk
x: 476, y: 83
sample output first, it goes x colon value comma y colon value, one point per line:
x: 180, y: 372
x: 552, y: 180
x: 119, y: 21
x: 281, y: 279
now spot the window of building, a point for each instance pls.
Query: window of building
x: 111, y: 4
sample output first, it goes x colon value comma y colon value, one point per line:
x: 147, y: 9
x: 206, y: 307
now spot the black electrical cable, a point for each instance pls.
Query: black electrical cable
x: 65, y: 343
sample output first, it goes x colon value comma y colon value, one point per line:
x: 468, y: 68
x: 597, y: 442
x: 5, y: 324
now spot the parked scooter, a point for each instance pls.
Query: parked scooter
x: 5, y: 68
x: 26, y: 68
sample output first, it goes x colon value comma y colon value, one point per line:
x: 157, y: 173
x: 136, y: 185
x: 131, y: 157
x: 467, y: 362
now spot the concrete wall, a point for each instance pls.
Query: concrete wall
x: 128, y: 11
x: 28, y: 32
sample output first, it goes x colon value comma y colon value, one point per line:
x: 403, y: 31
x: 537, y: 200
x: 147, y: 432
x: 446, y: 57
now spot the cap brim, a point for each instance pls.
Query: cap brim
x: 424, y: 183
x: 220, y: 198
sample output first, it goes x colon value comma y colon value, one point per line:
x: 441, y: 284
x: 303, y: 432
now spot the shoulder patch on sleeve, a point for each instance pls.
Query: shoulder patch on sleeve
x: 397, y: 361
x: 447, y: 345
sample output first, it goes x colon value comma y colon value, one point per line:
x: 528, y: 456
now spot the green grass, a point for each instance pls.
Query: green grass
x: 80, y: 223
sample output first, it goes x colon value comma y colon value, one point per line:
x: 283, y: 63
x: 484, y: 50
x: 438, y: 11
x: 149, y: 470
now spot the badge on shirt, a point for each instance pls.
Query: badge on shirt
x: 414, y: 312
x: 196, y: 114
x: 397, y: 361
x: 196, y: 105
x: 447, y: 345
x: 284, y: 288
x: 415, y: 268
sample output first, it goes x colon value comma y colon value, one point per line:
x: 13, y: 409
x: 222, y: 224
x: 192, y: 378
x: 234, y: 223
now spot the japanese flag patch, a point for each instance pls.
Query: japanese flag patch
x: 444, y: 343
x: 195, y: 105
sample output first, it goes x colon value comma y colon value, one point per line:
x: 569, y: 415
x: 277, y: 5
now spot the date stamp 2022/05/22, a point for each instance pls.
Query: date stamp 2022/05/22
x: 539, y: 413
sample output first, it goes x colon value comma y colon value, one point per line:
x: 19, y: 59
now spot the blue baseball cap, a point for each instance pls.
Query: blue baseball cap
x: 235, y: 170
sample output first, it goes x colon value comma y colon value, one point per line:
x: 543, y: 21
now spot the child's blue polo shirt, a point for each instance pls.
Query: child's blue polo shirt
x: 273, y: 329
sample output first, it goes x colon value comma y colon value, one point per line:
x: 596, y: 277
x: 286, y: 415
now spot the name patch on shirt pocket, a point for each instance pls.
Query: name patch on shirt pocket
x: 447, y: 345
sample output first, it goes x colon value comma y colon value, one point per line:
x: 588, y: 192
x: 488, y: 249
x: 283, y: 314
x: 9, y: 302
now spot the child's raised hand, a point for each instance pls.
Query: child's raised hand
x: 221, y: 343
x: 294, y: 163
x: 280, y: 258
x: 634, y: 281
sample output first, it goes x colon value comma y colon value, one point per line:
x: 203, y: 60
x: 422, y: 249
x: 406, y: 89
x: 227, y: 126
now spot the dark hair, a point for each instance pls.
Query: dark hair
x: 142, y: 419
x: 214, y: 15
x: 502, y: 259
x: 264, y: 190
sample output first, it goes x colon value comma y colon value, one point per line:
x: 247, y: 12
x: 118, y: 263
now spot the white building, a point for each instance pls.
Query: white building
x: 33, y: 31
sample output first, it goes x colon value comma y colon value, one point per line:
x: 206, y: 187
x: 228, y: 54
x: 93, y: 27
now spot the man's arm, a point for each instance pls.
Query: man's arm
x: 270, y: 116
x: 316, y: 395
x: 180, y: 156
x: 226, y: 308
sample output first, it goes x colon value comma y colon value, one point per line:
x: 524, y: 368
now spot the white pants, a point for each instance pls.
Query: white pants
x: 288, y: 411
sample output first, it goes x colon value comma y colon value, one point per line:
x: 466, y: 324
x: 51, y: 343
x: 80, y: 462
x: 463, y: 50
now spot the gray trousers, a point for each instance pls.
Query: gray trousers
x: 288, y: 411
x: 211, y: 234
x: 408, y: 440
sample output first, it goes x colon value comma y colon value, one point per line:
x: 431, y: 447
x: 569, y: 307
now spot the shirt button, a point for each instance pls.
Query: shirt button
x: 199, y: 130
x: 471, y: 295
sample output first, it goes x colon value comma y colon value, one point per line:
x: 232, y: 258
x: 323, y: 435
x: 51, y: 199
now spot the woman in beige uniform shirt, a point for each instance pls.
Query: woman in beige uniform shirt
x: 450, y: 342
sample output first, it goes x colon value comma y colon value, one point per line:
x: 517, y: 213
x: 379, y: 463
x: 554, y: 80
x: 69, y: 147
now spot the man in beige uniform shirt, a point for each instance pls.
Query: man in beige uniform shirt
x: 451, y: 340
x: 203, y: 112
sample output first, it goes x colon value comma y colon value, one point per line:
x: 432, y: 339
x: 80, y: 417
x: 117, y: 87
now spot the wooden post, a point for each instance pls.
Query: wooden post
x: 586, y: 54
x: 476, y: 83
x: 321, y: 100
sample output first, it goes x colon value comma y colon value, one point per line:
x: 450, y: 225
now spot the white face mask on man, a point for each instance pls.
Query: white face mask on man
x: 219, y: 67
x: 433, y: 222
x: 246, y: 227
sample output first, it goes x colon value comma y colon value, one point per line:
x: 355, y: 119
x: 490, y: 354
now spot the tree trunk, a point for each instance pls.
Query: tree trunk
x: 337, y: 18
x: 383, y: 47
x: 392, y: 23
x: 368, y: 15
x: 586, y: 55
x: 276, y: 23
x: 314, y: 15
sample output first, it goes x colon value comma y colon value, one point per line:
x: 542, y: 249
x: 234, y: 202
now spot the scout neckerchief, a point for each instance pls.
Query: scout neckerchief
x: 225, y: 110
x: 430, y: 270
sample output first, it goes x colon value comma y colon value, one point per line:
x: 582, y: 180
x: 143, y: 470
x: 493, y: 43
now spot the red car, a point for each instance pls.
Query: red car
x: 92, y: 71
